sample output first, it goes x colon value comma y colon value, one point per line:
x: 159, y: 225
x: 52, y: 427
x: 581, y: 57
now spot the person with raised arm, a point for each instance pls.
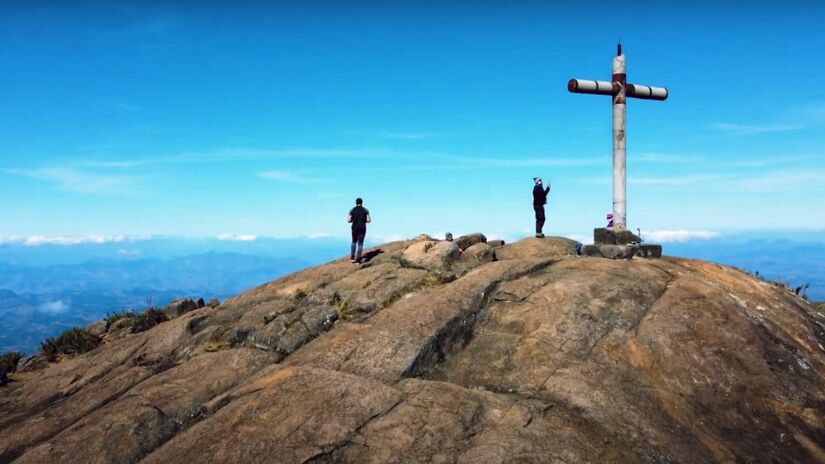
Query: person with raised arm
x: 539, y: 200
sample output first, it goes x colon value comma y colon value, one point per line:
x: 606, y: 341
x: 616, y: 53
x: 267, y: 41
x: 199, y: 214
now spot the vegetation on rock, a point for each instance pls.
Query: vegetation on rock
x: 71, y: 342
x: 115, y: 316
x: 8, y: 364
x: 800, y: 291
x: 148, y: 319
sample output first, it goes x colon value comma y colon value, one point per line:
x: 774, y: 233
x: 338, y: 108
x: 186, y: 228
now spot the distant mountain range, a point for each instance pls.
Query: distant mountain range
x: 209, y: 273
x: 39, y: 299
x: 793, y: 262
x: 11, y: 304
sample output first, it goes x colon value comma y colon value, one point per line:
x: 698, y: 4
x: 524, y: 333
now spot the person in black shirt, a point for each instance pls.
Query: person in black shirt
x: 359, y: 217
x: 539, y: 200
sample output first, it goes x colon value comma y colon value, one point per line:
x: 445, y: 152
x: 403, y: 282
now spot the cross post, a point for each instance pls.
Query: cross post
x: 619, y: 89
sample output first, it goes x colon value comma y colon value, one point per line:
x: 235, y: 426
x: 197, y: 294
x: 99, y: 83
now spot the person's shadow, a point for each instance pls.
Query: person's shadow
x: 367, y: 257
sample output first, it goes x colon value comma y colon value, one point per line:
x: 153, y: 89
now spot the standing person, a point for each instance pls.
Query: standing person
x: 359, y: 217
x: 539, y: 200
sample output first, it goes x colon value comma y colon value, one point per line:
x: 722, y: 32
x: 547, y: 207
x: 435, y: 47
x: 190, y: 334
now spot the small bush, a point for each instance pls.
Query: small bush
x: 148, y: 319
x: 71, y: 342
x: 8, y: 364
x: 10, y: 359
x: 299, y: 295
x: 800, y: 291
x: 428, y: 246
x: 343, y: 305
x: 111, y: 318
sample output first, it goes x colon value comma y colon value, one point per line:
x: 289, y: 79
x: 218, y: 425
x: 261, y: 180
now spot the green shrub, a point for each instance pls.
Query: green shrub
x: 343, y: 305
x: 8, y: 364
x: 800, y: 291
x: 111, y: 318
x: 71, y: 342
x: 10, y: 360
x: 299, y: 295
x: 148, y: 319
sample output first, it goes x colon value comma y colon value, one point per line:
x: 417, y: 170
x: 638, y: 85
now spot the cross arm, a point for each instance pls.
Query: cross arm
x: 591, y: 87
x: 644, y: 92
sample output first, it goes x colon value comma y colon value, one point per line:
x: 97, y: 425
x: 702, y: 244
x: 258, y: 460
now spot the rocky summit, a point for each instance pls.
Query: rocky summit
x: 448, y: 352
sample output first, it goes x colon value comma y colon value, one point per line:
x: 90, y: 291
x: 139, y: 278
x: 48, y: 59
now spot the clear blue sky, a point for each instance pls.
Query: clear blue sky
x: 174, y: 118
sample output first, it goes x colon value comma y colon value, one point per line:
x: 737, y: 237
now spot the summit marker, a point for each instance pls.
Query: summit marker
x: 619, y: 89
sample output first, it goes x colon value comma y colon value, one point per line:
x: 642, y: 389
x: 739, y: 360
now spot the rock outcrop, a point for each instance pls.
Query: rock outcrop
x: 479, y: 253
x: 466, y: 241
x: 424, y: 355
x: 537, y: 247
x: 431, y: 255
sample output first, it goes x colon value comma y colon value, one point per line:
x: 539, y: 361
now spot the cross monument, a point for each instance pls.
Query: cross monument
x: 619, y: 89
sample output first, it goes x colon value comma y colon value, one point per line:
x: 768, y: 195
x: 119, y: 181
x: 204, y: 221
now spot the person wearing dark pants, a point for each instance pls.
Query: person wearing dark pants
x: 359, y: 217
x: 539, y: 200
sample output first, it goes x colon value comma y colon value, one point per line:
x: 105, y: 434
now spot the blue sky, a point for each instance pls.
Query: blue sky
x: 243, y: 120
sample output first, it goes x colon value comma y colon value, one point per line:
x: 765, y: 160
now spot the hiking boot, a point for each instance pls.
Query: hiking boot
x: 539, y: 235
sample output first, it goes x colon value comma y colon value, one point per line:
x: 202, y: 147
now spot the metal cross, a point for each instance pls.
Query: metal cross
x: 619, y: 89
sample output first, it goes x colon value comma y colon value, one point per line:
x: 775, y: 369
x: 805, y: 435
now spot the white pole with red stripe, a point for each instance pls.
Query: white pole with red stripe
x: 619, y: 90
x: 619, y: 153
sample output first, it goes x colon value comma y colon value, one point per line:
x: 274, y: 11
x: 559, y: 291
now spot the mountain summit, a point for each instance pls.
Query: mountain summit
x: 449, y: 352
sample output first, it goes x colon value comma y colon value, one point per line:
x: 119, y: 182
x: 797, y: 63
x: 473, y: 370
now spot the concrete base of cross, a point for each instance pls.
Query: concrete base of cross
x: 627, y: 251
x: 604, y: 236
x: 619, y: 244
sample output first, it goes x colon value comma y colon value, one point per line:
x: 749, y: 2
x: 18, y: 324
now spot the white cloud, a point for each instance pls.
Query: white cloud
x: 319, y: 235
x: 664, y: 158
x: 124, y: 252
x: 717, y: 161
x: 237, y: 238
x: 386, y: 238
x: 238, y: 155
x: 53, y: 307
x: 663, y: 181
x: 524, y: 162
x: 287, y: 176
x: 678, y: 236
x: 408, y: 135
x: 37, y: 240
x: 75, y: 180
x: 115, y: 164
x: 392, y: 135
x: 782, y: 179
x: 499, y: 236
x: 752, y: 129
x: 676, y: 180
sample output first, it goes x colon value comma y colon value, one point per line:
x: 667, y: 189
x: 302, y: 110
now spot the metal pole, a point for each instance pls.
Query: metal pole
x: 619, y: 136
